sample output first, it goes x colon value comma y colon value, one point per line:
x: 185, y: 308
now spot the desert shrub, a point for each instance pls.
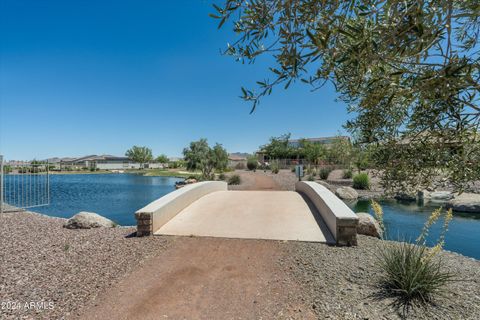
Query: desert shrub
x: 234, y: 179
x: 347, y: 174
x: 412, y: 272
x: 222, y: 177
x: 311, y: 178
x: 274, y: 167
x: 324, y: 173
x: 311, y: 171
x: 292, y: 169
x: 252, y: 163
x: 361, y: 181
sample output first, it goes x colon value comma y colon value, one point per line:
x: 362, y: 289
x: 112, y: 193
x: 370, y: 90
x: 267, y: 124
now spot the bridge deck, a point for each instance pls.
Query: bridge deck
x: 277, y: 215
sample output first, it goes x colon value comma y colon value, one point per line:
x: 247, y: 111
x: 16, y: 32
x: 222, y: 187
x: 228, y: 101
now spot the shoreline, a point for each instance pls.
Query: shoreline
x: 134, y: 227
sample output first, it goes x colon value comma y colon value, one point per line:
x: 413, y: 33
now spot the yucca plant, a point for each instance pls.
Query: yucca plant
x: 412, y: 272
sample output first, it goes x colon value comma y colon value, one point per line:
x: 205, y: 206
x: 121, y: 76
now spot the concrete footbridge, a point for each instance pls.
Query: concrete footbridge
x: 310, y: 213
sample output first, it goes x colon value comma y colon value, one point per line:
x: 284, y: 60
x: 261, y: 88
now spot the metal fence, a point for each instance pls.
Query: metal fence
x: 24, y: 186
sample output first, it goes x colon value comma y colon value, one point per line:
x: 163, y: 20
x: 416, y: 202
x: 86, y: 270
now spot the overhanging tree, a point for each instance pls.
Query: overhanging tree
x: 409, y: 71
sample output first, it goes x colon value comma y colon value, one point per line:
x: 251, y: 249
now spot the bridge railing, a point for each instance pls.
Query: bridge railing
x: 153, y: 216
x: 340, y: 219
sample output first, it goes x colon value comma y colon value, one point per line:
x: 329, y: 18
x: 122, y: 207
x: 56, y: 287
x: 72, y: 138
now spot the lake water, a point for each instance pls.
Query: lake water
x: 115, y: 196
x: 405, y: 220
x: 118, y: 196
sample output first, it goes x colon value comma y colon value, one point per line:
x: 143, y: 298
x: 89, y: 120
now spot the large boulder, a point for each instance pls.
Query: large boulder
x: 346, y: 193
x: 435, y: 196
x: 368, y: 225
x: 466, y: 202
x: 87, y: 220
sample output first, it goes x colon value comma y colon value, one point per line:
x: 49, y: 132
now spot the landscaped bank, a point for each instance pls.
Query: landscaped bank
x: 342, y: 283
x: 41, y: 261
x: 45, y: 263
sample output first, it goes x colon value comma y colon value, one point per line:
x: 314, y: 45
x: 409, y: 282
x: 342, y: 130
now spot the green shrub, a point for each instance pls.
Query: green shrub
x: 361, y: 181
x: 252, y: 163
x: 274, y: 167
x: 347, y: 174
x: 222, y: 177
x: 409, y: 273
x: 293, y: 169
x: 234, y: 179
x: 311, y: 178
x: 413, y: 272
x: 324, y: 173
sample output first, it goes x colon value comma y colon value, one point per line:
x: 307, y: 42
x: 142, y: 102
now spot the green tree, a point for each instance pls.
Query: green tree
x: 278, y: 147
x: 199, y: 156
x: 340, y: 152
x: 363, y: 156
x: 162, y: 159
x: 313, y: 152
x: 408, y: 70
x: 141, y: 155
x: 221, y: 157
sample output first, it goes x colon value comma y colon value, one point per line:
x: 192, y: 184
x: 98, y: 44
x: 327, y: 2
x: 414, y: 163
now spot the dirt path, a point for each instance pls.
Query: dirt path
x: 207, y: 278
x: 255, y: 181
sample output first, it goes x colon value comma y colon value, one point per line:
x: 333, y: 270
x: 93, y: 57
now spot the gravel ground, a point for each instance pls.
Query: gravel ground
x: 60, y: 269
x: 342, y: 283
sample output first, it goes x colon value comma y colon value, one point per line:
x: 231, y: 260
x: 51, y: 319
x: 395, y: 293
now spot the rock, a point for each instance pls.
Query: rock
x: 87, y: 220
x: 368, y: 225
x: 189, y: 181
x: 435, y: 196
x: 347, y: 193
x: 441, y: 196
x: 466, y: 202
x: 327, y: 185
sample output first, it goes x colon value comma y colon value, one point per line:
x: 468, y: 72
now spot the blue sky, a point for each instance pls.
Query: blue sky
x: 93, y: 77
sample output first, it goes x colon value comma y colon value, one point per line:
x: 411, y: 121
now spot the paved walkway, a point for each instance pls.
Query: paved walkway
x: 275, y: 215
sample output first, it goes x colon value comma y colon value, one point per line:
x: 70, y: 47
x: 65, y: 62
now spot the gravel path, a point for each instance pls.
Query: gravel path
x: 341, y: 283
x: 60, y: 269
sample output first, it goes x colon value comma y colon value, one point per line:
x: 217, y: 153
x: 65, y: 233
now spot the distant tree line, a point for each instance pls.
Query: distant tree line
x: 339, y: 152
